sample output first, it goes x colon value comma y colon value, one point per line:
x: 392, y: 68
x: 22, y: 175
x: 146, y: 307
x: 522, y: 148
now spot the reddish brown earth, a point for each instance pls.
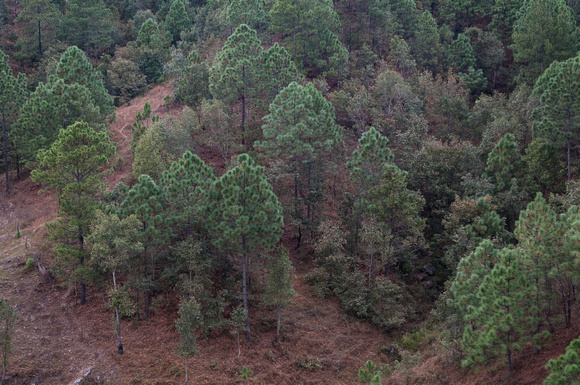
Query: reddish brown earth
x: 58, y: 341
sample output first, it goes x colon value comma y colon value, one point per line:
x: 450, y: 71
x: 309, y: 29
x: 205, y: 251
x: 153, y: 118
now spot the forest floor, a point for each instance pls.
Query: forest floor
x: 58, y: 341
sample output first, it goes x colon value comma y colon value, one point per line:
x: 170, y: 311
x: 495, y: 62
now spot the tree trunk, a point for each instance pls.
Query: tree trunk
x: 147, y: 310
x: 82, y: 261
x: 245, y: 295
x: 185, y: 370
x: 568, y: 145
x: 39, y: 39
x: 3, y: 373
x: 118, y: 319
x: 5, y: 142
x: 370, y: 268
x: 278, y: 327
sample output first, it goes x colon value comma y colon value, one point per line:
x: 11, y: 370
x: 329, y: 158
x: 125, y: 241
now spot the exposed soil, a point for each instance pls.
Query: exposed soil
x: 59, y: 341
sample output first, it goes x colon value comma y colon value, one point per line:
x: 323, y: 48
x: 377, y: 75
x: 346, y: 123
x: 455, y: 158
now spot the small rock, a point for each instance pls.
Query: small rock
x: 430, y: 269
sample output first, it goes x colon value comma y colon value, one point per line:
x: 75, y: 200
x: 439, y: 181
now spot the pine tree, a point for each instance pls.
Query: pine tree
x: 470, y: 273
x: 425, y: 45
x: 565, y: 370
x: 88, y: 24
x: 74, y: 67
x: 502, y: 327
x: 503, y: 16
x: 50, y: 108
x: 177, y: 20
x: 73, y: 166
x: 538, y: 234
x: 279, y: 291
x: 245, y: 216
x: 249, y: 12
x: 147, y: 201
x: 545, y: 31
x: 369, y: 160
x: 187, y: 184
x: 559, y: 113
x: 400, y: 56
x: 276, y: 72
x: 300, y: 129
x: 234, y: 74
x: 503, y: 163
x: 397, y: 209
x: 310, y: 28
x: 12, y: 95
x: 189, y: 321
x: 114, y: 243
x: 38, y: 20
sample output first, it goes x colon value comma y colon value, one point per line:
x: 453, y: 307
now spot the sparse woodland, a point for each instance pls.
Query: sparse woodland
x: 421, y: 158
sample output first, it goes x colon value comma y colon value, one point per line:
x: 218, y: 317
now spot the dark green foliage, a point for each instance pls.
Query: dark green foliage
x: 177, y: 20
x: 125, y: 80
x: 300, y: 129
x: 8, y: 318
x: 12, y: 95
x: 234, y: 74
x: 50, y: 108
x: 310, y: 29
x: 499, y: 325
x: 147, y: 201
x: 545, y: 31
x: 187, y: 184
x: 565, y: 370
x: 73, y: 167
x: 503, y: 163
x: 245, y: 216
x: 150, y: 50
x: 74, y: 68
x: 370, y: 374
x: 38, y: 21
x: 504, y: 14
x: 249, y: 12
x: 538, y: 234
x: 193, y: 87
x: 425, y: 46
x: 559, y: 112
x: 88, y: 24
x: 277, y: 71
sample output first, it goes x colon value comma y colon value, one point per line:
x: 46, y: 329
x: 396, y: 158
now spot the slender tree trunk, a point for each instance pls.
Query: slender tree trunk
x: 245, y: 295
x: 185, y: 370
x: 118, y: 320
x: 3, y: 373
x: 278, y: 327
x: 370, y: 268
x: 568, y: 144
x: 82, y: 261
x: 147, y: 307
x: 509, y: 358
x: 5, y: 142
x: 245, y: 289
x: 39, y: 39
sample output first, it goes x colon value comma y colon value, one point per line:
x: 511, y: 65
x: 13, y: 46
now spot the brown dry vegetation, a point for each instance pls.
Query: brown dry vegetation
x: 58, y: 341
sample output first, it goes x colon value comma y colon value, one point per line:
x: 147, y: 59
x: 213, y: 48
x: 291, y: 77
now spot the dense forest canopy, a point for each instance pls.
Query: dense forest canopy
x: 425, y: 155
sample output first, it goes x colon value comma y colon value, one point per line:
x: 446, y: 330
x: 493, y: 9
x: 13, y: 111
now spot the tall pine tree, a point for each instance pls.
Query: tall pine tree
x: 245, y: 217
